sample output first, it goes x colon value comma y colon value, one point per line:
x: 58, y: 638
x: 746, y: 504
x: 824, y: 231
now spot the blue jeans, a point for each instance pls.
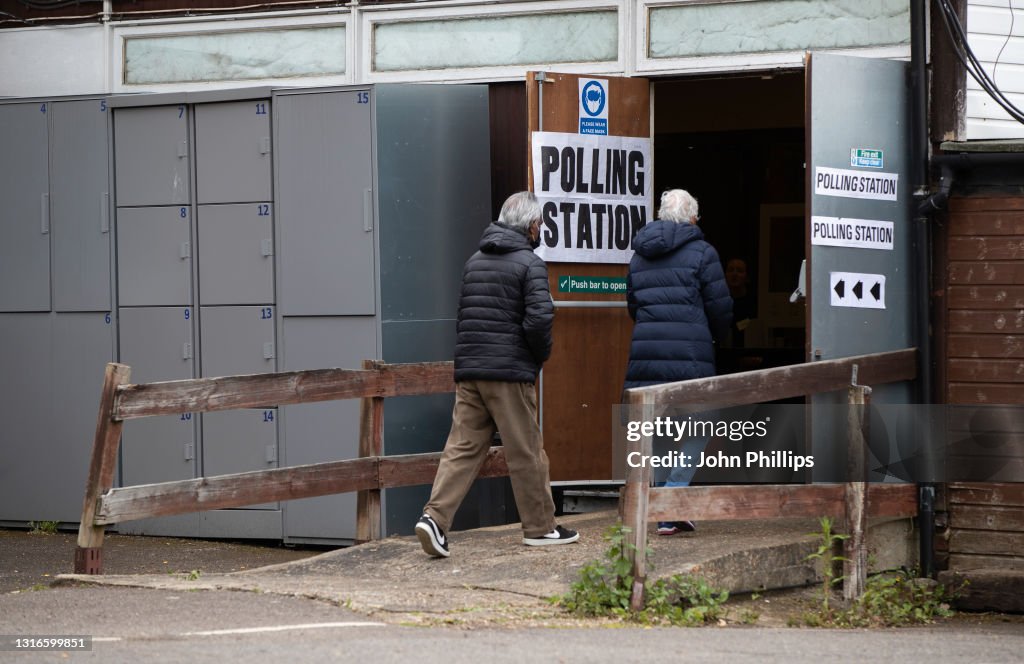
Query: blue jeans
x: 679, y: 475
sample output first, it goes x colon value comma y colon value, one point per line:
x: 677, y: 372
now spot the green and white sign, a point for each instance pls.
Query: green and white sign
x: 570, y: 284
x: 866, y: 158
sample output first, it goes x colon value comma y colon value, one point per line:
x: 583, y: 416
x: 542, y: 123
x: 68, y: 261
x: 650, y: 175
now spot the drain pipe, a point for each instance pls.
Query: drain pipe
x: 922, y: 258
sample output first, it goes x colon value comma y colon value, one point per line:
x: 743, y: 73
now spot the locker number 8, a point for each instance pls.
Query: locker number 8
x: 183, y: 212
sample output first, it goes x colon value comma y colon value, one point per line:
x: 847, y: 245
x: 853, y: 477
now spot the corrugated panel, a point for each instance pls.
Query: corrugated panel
x: 989, y: 34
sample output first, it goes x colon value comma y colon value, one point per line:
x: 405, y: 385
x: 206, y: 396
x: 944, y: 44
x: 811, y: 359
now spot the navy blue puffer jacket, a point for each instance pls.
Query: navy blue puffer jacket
x: 679, y: 300
x: 505, y: 311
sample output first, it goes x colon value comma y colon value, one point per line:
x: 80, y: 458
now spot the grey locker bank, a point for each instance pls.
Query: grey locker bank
x: 267, y: 230
x: 56, y: 325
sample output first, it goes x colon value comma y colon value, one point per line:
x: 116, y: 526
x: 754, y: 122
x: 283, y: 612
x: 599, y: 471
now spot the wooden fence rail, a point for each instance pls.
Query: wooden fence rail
x: 367, y: 475
x: 854, y: 500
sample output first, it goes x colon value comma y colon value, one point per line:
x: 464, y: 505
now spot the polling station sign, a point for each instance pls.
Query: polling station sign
x: 595, y: 194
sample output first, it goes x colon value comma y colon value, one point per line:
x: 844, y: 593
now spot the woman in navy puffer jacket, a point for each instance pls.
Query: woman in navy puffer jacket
x: 677, y: 296
x: 680, y: 302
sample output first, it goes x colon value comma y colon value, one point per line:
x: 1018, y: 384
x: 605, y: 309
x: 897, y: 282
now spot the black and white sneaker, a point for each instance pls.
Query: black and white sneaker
x: 432, y: 538
x: 559, y: 535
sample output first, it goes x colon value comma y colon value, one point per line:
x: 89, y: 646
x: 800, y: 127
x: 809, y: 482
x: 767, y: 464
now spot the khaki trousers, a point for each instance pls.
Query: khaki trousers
x: 481, y: 406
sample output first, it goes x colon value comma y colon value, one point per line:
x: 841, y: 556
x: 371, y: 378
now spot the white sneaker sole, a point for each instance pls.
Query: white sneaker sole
x: 427, y: 540
x: 543, y: 541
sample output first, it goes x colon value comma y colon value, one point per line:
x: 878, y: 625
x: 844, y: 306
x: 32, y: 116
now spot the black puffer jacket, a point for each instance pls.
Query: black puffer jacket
x: 678, y: 297
x: 505, y: 311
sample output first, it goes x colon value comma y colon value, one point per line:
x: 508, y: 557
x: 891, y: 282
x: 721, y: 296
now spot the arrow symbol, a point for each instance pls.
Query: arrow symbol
x: 840, y: 288
x: 876, y: 290
x: 858, y: 290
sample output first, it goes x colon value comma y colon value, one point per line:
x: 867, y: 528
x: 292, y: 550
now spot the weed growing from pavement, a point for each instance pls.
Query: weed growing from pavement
x: 43, y: 527
x: 890, y: 599
x: 604, y: 586
x: 826, y: 553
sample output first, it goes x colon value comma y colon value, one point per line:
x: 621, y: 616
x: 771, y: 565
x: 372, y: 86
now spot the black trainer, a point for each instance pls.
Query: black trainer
x: 559, y: 535
x: 432, y: 538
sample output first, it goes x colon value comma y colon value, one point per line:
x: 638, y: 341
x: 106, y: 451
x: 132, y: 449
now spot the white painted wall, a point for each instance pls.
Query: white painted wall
x: 49, y: 62
x: 989, y: 31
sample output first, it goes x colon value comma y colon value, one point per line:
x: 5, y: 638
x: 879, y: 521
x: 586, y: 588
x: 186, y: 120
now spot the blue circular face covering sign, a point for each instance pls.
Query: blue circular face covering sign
x: 592, y: 98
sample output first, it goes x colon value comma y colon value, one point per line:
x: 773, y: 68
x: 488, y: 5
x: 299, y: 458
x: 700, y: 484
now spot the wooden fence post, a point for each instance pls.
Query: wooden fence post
x: 371, y: 444
x: 855, y: 546
x: 635, y: 499
x: 89, y: 552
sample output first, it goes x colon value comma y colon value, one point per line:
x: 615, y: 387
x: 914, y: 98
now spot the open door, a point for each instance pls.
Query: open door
x: 591, y: 166
x: 860, y: 294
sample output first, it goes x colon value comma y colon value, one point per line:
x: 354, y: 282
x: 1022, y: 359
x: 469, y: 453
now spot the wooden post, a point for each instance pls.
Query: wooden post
x: 635, y: 498
x: 89, y: 552
x: 855, y: 546
x: 371, y: 444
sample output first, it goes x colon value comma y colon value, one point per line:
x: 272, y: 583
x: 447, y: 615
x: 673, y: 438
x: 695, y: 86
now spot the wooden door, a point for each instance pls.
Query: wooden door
x: 582, y: 381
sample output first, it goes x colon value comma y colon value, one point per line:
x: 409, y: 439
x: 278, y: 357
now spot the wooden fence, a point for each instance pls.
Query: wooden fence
x: 854, y: 501
x: 368, y: 474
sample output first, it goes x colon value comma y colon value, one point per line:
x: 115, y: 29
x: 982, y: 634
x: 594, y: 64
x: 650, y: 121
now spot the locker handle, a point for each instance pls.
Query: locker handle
x: 44, y: 214
x: 186, y: 250
x: 183, y: 149
x: 267, y: 247
x: 265, y: 145
x: 268, y: 350
x: 186, y: 351
x: 271, y: 453
x: 105, y: 212
x: 367, y: 210
x: 189, y: 451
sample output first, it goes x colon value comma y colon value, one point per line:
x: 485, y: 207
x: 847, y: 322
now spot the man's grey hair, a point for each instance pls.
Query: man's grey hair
x: 520, y: 210
x: 679, y: 206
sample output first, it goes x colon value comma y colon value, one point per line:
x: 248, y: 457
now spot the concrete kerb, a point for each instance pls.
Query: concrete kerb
x: 492, y: 576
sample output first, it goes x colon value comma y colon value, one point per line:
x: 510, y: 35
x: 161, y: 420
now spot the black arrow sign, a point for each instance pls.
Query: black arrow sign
x: 858, y: 290
x: 876, y: 290
x: 840, y: 288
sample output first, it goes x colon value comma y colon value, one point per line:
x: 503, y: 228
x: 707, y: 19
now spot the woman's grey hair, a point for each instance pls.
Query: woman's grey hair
x: 679, y: 206
x: 520, y: 210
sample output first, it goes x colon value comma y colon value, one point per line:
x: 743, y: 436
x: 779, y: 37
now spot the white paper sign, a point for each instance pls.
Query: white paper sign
x: 595, y: 193
x: 855, y: 184
x: 848, y: 232
x: 854, y: 289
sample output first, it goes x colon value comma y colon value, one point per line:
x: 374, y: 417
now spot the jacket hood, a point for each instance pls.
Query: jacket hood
x: 661, y: 237
x: 500, y: 239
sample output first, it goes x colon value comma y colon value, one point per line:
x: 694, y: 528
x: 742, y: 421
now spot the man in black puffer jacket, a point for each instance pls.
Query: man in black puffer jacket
x: 678, y: 298
x: 503, y: 339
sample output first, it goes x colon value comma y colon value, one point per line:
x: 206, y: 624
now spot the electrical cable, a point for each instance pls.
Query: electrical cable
x: 967, y: 57
x: 1005, y: 43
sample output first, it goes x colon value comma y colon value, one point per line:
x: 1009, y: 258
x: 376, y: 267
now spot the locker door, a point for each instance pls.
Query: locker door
x: 324, y: 203
x: 233, y: 152
x: 156, y: 342
x: 239, y: 441
x: 25, y: 355
x: 80, y: 206
x: 319, y: 432
x: 25, y: 211
x: 237, y: 340
x: 151, y: 155
x: 83, y: 343
x: 154, y: 256
x: 235, y: 253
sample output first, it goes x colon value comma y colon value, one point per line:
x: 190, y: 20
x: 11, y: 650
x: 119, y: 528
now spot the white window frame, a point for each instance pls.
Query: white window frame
x: 740, y: 62
x: 193, y: 26
x: 372, y: 15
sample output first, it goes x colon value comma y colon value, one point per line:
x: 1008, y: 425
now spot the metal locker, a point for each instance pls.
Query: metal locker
x: 325, y: 201
x: 83, y: 343
x: 25, y: 220
x: 329, y: 431
x: 235, y: 251
x: 233, y: 152
x: 151, y: 155
x: 237, y: 340
x: 25, y: 355
x: 80, y: 205
x: 154, y: 256
x: 238, y: 441
x: 156, y: 342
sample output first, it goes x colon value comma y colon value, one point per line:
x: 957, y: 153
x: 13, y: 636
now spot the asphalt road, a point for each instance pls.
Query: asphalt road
x: 133, y: 625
